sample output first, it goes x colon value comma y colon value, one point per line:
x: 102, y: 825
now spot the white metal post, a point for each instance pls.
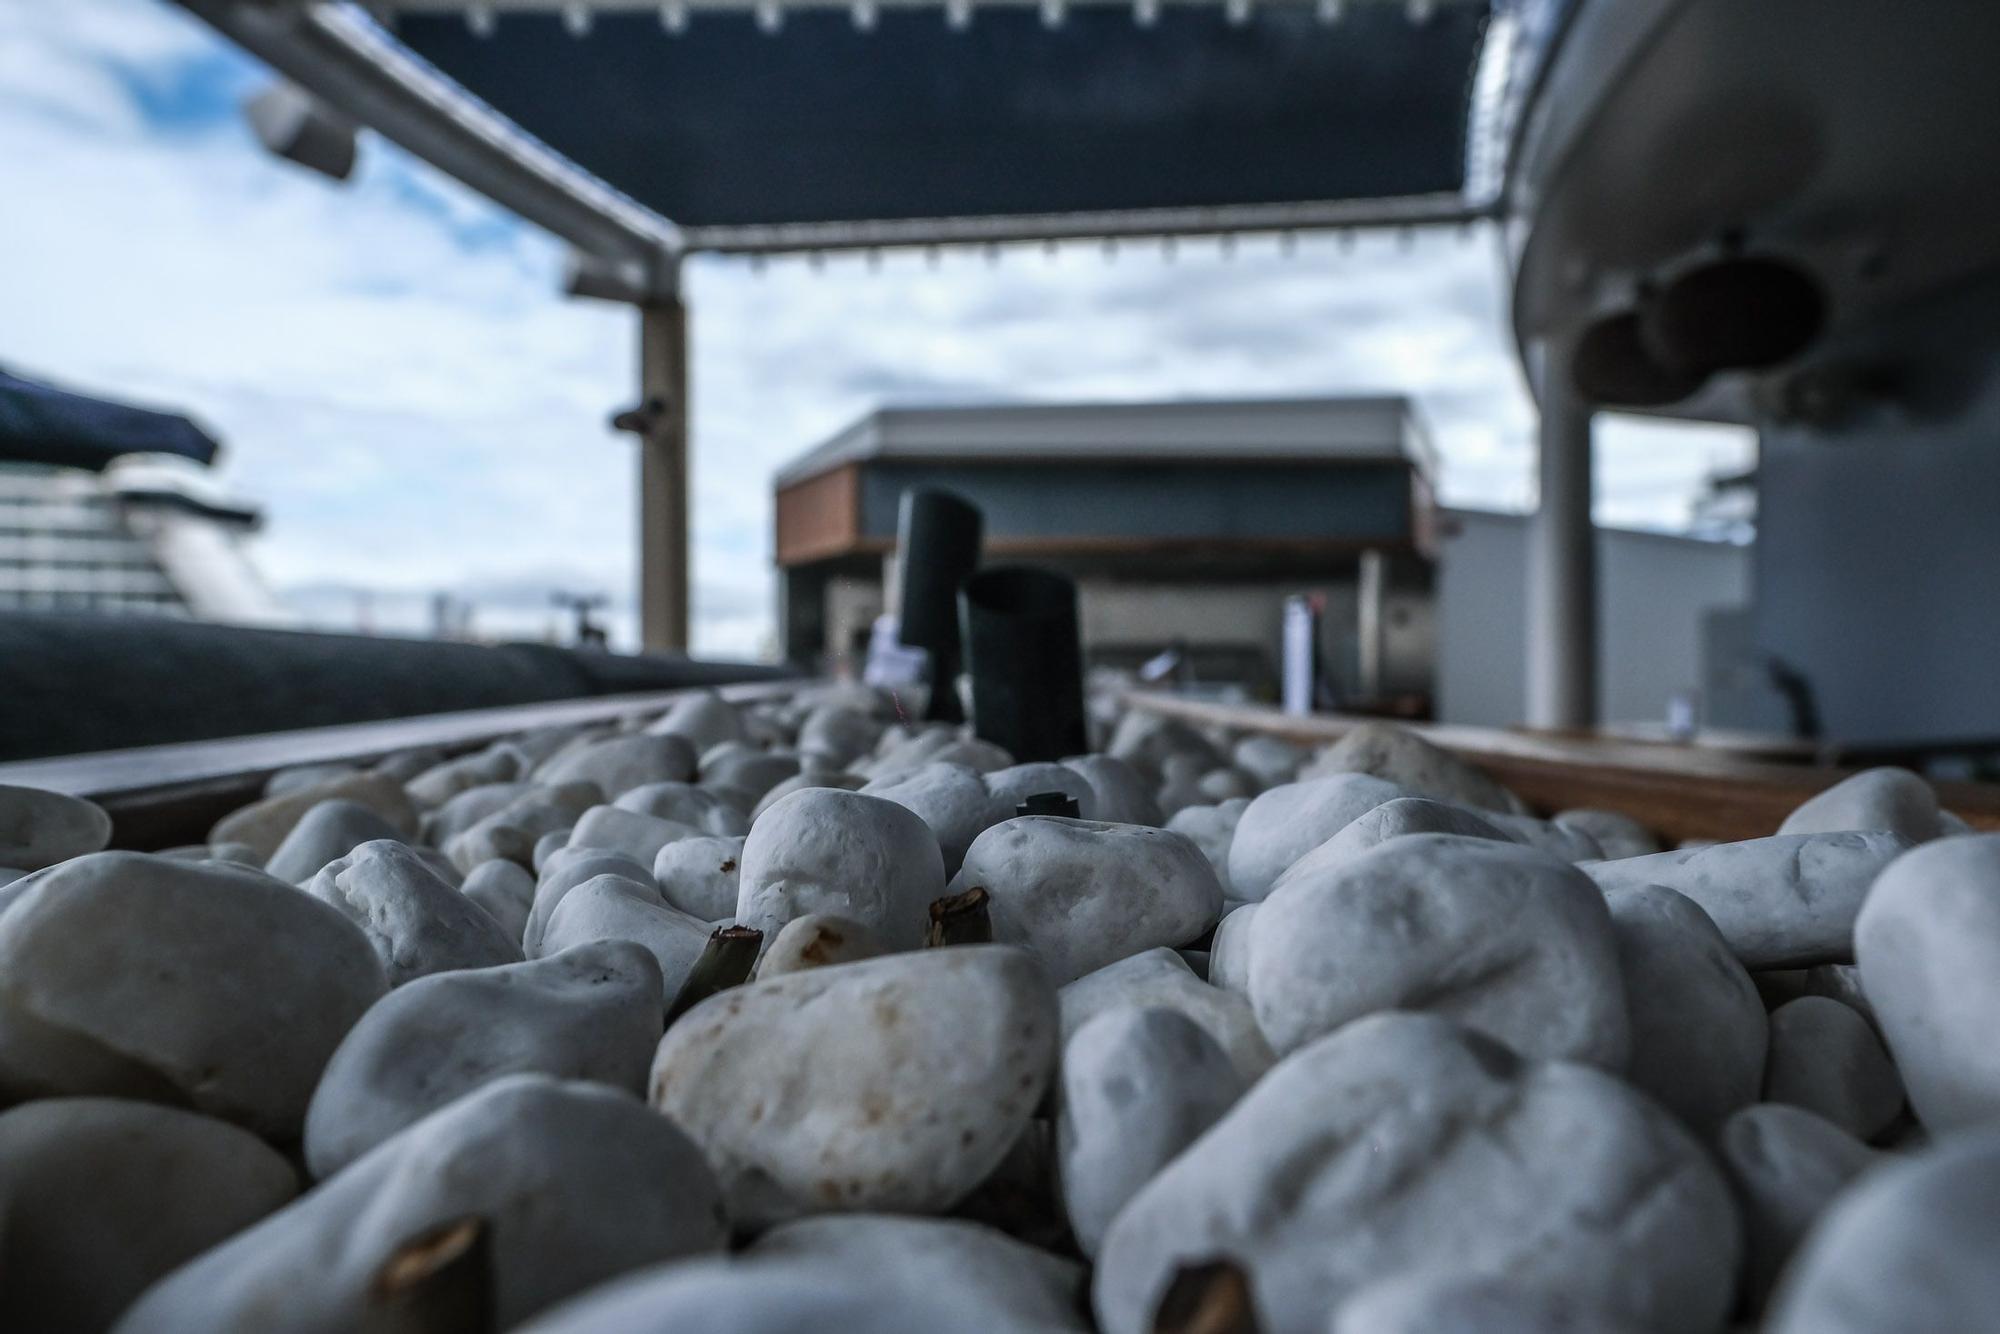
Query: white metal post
x: 1562, y: 558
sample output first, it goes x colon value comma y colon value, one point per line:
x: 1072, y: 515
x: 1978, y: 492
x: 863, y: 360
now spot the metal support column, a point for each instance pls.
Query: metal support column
x: 1562, y: 559
x: 663, y: 477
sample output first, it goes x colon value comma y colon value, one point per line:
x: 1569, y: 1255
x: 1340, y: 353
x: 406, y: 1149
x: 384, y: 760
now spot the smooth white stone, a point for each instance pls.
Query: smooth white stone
x: 1229, y: 950
x: 1138, y: 1086
x: 703, y: 718
x: 328, y: 831
x: 1398, y: 755
x: 467, y: 809
x: 686, y: 803
x: 1779, y: 902
x: 854, y: 856
x: 1886, y: 798
x: 264, y: 824
x: 1286, y: 823
x: 1445, y: 1302
x: 1787, y: 1164
x: 858, y: 1272
x: 973, y: 753
x: 104, y: 1196
x: 435, y: 786
x: 1570, y: 843
x: 441, y: 866
x: 1213, y: 829
x: 403, y: 765
x: 547, y: 846
x: 817, y: 941
x: 1122, y: 796
x: 846, y: 782
x: 610, y: 907
x: 619, y: 764
x: 1841, y: 982
x: 920, y: 1070
x: 839, y: 734
x: 505, y: 891
x: 754, y: 771
x: 1080, y: 894
x: 1928, y: 943
x: 701, y: 875
x: 1392, y: 819
x: 565, y: 872
x: 1228, y: 784
x: 1008, y: 788
x: 1615, y: 835
x: 1504, y: 939
x: 1012, y: 1285
x: 414, y: 921
x: 951, y: 799
x: 1405, y: 1142
x: 639, y: 837
x: 514, y: 830
x: 576, y: 1182
x: 39, y: 828
x: 1270, y: 760
x: 1144, y: 740
x: 1161, y: 979
x: 1825, y: 1058
x: 1909, y: 1247
x: 199, y: 983
x: 592, y: 1012
x: 1698, y: 1026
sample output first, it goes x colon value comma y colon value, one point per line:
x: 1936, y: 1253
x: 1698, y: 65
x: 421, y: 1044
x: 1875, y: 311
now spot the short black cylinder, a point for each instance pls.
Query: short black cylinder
x: 1026, y: 661
x: 937, y: 546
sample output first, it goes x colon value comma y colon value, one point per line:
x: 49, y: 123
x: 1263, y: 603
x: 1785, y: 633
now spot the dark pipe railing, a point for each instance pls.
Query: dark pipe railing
x: 1026, y: 662
x: 78, y: 682
x: 937, y: 547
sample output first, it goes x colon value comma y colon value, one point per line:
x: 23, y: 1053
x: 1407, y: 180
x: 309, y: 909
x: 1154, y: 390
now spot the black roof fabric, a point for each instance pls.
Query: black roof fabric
x: 821, y: 122
x: 40, y: 423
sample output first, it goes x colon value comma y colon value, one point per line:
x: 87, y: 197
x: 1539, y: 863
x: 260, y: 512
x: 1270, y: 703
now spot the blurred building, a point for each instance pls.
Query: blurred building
x: 1186, y: 525
x: 140, y: 536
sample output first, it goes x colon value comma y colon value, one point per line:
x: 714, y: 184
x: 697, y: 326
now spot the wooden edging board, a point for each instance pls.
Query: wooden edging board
x: 1678, y: 792
x: 159, y: 796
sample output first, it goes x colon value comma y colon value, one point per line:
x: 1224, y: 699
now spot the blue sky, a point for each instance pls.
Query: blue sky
x: 403, y: 388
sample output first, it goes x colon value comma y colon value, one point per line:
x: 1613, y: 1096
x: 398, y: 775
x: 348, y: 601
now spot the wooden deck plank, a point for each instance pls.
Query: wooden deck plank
x: 163, y: 795
x: 1677, y: 791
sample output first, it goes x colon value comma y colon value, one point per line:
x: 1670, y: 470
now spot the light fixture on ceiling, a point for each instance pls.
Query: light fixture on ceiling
x: 292, y: 124
x: 577, y: 18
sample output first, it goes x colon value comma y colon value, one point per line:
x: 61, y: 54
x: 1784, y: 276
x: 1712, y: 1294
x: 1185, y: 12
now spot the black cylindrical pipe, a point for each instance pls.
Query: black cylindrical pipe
x: 1026, y: 661
x: 937, y: 546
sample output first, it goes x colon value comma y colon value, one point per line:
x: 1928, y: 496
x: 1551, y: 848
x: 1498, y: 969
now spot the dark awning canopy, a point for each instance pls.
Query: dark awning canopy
x: 725, y: 125
x: 40, y: 423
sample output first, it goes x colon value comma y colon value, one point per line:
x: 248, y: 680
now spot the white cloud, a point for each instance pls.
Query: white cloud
x: 400, y: 384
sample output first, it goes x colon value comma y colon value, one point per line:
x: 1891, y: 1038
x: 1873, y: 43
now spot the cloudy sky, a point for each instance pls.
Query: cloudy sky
x: 404, y: 390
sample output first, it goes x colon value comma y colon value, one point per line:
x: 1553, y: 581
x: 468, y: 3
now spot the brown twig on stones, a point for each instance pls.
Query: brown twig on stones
x: 1209, y: 1297
x: 961, y: 919
x: 439, y: 1281
x: 725, y: 962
